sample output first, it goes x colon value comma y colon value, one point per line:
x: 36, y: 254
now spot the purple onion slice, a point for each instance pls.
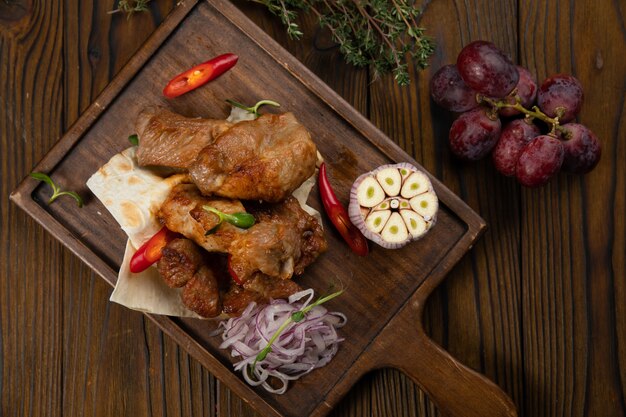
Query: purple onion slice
x: 393, y: 205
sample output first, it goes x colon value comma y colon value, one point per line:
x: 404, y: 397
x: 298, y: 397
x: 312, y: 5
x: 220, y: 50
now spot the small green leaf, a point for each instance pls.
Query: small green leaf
x: 254, y: 109
x: 74, y: 195
x: 43, y: 177
x: 56, y: 191
x: 298, y: 316
x: 134, y: 140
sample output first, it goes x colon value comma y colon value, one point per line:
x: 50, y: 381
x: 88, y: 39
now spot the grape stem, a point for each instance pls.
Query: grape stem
x: 535, y: 113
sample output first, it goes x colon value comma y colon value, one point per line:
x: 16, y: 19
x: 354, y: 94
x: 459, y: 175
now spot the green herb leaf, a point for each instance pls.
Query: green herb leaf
x: 298, y: 316
x: 130, y: 6
x: 56, y: 190
x: 254, y: 109
x: 134, y: 140
x: 381, y: 34
x: 43, y: 177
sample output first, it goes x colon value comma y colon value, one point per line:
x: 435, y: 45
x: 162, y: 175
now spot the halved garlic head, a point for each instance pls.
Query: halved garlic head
x: 370, y: 193
x: 393, y: 205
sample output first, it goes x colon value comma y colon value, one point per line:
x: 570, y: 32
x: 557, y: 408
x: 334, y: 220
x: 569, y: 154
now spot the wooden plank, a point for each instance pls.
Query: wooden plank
x: 31, y: 71
x: 573, y: 252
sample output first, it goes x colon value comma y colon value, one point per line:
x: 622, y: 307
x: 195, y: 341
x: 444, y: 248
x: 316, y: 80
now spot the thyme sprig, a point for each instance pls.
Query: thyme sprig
x: 383, y: 34
x: 56, y: 190
x: 131, y: 6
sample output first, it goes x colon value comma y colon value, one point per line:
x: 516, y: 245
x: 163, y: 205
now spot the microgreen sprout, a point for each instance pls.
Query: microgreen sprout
x: 56, y: 190
x: 242, y: 220
x: 254, y: 109
x: 295, y: 317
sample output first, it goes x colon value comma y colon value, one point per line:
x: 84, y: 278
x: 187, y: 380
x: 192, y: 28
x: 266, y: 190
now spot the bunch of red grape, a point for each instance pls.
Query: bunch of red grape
x: 487, y: 88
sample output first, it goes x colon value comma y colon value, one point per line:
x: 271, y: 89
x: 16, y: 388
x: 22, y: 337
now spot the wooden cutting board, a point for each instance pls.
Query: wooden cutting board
x: 385, y: 292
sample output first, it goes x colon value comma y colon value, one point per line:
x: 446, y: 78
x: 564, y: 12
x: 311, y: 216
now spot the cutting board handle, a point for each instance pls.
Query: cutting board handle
x: 454, y: 388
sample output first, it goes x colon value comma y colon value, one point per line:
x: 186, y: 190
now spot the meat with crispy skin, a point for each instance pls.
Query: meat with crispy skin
x: 263, y: 159
x: 169, y: 139
x: 283, y: 242
x: 184, y: 264
x: 259, y: 289
x: 201, y: 294
x: 182, y: 212
x: 180, y: 260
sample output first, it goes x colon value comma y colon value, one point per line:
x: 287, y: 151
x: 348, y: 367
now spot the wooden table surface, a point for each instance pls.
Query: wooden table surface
x: 537, y: 305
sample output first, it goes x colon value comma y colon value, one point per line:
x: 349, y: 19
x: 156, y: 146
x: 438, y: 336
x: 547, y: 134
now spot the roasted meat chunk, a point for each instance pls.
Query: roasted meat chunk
x: 180, y: 260
x: 184, y: 264
x: 259, y: 289
x: 284, y: 241
x: 182, y: 212
x: 201, y: 294
x: 169, y: 139
x: 263, y: 159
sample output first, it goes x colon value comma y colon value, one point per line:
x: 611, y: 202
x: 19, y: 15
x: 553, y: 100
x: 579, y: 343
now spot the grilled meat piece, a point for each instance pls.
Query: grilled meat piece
x: 284, y: 241
x: 259, y: 289
x: 182, y: 212
x: 169, y: 139
x: 201, y: 294
x: 180, y: 260
x: 263, y: 159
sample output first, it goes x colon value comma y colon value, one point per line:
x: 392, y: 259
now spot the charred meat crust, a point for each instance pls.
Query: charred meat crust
x: 284, y: 241
x: 169, y: 139
x: 180, y: 260
x: 260, y: 289
x: 201, y: 294
x: 263, y: 159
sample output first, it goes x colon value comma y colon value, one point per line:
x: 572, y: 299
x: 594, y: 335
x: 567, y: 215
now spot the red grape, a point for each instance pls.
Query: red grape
x: 561, y: 93
x: 449, y: 91
x: 486, y: 69
x: 539, y: 161
x: 582, y: 149
x: 474, y: 134
x: 526, y: 89
x: 514, y: 137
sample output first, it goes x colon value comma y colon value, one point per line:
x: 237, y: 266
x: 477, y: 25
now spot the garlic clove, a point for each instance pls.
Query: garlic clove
x: 377, y: 220
x: 382, y: 206
x: 395, y: 230
x: 416, y: 183
x: 370, y: 193
x: 391, y: 180
x: 425, y: 205
x: 414, y: 223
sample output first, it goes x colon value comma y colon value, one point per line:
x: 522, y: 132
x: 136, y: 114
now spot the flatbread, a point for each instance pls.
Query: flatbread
x: 133, y: 195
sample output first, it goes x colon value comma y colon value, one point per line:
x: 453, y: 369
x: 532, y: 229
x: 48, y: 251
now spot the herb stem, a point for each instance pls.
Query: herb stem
x: 297, y: 316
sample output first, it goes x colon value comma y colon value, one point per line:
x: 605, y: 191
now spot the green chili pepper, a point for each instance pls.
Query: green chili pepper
x: 242, y: 220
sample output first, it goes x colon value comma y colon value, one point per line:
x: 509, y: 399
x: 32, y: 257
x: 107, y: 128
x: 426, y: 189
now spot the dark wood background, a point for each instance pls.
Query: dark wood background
x: 538, y: 304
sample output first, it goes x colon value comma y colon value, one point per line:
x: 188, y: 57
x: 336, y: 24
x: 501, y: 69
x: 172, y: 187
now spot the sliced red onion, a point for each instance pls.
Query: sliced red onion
x: 300, y: 348
x: 393, y: 205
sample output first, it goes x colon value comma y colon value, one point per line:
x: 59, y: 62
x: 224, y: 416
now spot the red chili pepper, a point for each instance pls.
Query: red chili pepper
x: 232, y: 272
x: 199, y: 75
x: 339, y: 216
x: 151, y: 251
